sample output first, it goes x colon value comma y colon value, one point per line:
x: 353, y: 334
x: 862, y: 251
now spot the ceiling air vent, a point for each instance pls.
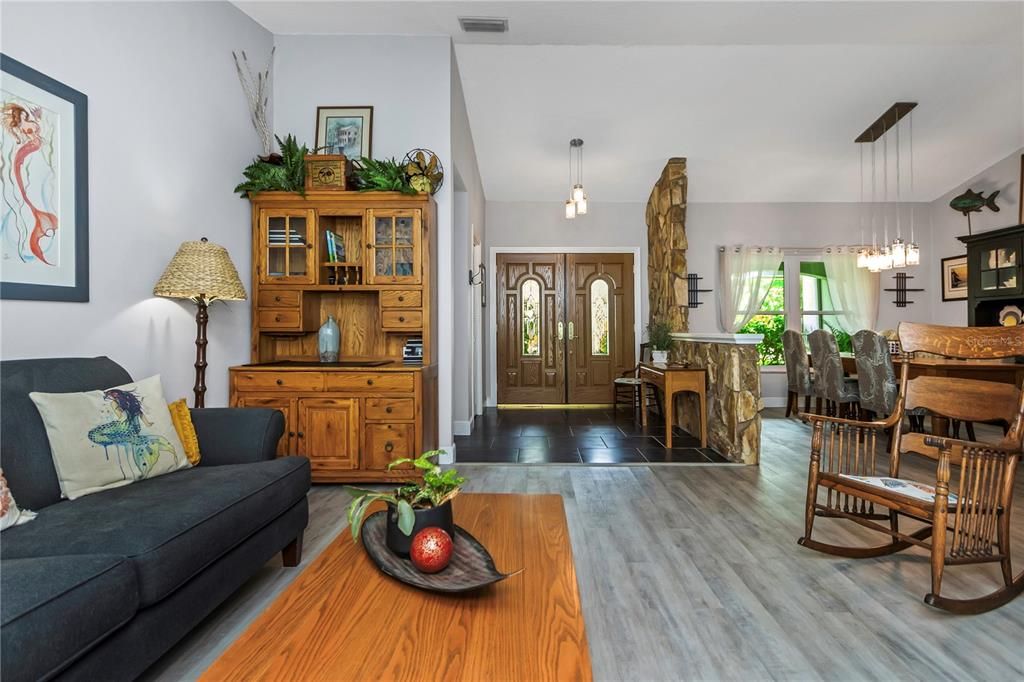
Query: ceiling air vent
x: 483, y: 24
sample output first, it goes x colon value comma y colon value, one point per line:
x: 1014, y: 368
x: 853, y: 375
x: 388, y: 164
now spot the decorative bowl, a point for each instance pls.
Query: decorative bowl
x: 471, y: 566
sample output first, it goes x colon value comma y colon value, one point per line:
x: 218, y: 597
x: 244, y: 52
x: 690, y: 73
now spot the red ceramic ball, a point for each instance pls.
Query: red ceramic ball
x: 431, y: 550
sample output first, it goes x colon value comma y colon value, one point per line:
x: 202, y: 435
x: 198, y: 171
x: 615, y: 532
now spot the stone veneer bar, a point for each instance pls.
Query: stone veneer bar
x: 733, y: 392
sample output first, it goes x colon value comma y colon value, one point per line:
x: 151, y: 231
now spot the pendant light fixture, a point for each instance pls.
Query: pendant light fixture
x: 913, y: 251
x: 576, y: 204
x: 896, y: 253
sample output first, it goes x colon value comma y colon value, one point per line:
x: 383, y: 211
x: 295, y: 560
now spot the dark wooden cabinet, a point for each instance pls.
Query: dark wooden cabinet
x: 350, y: 420
x: 995, y: 278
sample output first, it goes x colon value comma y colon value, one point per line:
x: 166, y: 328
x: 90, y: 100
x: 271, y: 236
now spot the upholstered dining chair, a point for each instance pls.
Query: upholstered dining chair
x: 628, y: 386
x: 798, y: 371
x: 830, y: 383
x: 967, y: 519
x: 876, y: 379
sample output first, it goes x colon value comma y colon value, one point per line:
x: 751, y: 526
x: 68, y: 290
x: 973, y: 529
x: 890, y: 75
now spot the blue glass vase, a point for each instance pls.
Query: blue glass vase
x: 329, y: 340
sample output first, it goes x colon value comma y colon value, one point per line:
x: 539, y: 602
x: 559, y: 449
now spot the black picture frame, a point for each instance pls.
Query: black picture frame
x: 79, y: 292
x: 943, y: 280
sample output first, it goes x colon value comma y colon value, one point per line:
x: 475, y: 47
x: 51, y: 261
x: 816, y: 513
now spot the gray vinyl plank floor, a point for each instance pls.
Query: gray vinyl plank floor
x: 693, y: 573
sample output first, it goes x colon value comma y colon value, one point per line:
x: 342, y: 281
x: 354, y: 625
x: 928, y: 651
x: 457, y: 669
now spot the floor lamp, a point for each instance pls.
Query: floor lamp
x: 201, y: 272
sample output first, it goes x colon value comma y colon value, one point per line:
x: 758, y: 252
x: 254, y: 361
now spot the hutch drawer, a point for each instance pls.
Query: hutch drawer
x: 279, y: 298
x: 390, y: 409
x: 402, y: 319
x: 279, y: 381
x: 401, y: 298
x: 282, y: 318
x: 371, y: 382
x: 386, y: 442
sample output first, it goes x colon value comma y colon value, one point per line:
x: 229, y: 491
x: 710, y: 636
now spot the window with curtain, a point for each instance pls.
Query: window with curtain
x: 811, y: 308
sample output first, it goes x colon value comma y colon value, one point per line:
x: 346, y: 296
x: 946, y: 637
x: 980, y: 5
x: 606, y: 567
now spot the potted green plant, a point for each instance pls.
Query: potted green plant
x: 412, y: 506
x: 659, y: 335
x: 285, y: 172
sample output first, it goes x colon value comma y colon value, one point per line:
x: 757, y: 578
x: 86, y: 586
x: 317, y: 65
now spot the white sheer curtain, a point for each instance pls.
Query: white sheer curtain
x: 854, y: 290
x: 745, y: 274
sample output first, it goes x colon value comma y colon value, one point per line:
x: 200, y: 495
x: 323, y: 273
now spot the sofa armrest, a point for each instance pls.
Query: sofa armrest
x: 233, y: 435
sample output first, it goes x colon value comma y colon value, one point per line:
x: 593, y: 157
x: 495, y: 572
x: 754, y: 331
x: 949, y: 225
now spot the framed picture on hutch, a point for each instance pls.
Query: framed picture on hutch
x: 44, y: 216
x: 344, y: 130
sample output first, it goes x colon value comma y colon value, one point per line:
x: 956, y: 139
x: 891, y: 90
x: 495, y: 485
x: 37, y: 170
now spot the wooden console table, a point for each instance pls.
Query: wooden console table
x: 673, y: 379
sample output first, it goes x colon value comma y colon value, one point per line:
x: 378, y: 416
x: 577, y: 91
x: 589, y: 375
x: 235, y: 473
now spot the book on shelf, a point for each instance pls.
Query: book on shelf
x: 335, y: 247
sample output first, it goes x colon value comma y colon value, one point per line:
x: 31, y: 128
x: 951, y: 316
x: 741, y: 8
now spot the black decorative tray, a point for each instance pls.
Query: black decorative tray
x: 471, y: 566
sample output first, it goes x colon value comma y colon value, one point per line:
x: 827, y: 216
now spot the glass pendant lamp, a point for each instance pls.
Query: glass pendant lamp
x: 570, y: 209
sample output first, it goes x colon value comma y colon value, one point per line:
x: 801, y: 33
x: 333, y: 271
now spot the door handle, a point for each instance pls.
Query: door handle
x: 561, y: 330
x: 572, y: 331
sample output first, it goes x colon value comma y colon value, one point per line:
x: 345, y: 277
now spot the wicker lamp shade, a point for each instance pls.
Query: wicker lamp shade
x: 201, y: 270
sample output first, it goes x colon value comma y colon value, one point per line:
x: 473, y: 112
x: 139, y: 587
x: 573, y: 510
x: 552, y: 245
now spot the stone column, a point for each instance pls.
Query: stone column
x: 666, y: 246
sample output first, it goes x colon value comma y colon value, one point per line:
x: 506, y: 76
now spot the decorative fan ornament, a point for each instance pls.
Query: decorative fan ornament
x: 424, y: 169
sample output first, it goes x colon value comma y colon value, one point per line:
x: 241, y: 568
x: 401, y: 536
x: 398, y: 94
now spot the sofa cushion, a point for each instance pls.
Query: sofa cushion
x: 56, y: 608
x: 24, y: 447
x: 170, y: 527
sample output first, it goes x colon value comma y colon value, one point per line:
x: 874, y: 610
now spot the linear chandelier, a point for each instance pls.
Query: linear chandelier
x: 896, y: 253
x: 576, y: 204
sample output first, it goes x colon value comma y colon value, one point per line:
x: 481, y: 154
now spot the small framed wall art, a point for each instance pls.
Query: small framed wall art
x: 954, y: 278
x: 44, y: 217
x: 344, y: 130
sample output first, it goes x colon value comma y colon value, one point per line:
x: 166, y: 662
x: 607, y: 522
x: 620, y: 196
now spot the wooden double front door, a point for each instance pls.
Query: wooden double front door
x: 565, y: 326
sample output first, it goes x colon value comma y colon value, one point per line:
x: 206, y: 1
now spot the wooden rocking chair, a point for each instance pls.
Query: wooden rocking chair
x: 969, y: 522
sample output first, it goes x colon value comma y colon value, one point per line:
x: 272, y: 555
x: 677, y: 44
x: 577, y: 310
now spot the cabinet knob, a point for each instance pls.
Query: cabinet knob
x: 401, y: 299
x: 309, y: 246
x: 369, y: 382
x: 389, y: 446
x: 291, y: 434
x: 300, y: 434
x: 401, y: 318
x: 388, y: 409
x: 280, y: 382
x: 277, y: 299
x: 277, y: 318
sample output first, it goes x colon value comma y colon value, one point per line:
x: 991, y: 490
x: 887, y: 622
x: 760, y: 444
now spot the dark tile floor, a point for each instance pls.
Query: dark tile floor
x: 575, y: 437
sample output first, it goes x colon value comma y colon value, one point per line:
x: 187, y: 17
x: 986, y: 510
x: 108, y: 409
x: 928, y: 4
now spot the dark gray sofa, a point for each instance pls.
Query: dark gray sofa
x: 102, y: 586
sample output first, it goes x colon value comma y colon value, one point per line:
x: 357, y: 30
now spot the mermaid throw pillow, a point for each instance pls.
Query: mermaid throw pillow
x: 106, y: 439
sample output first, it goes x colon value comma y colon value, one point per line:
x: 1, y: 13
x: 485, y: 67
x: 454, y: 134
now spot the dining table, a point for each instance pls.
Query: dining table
x: 1006, y: 371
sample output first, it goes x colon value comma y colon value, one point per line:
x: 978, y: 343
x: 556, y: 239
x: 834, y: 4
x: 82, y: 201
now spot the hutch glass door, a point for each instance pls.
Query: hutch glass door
x: 286, y: 247
x: 998, y: 267
x: 395, y: 247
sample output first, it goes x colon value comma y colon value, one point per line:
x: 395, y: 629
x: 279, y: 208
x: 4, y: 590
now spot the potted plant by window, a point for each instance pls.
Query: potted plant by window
x: 413, y: 506
x: 659, y: 335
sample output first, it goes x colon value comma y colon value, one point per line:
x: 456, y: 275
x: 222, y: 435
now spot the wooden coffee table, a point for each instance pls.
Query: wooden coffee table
x: 344, y: 620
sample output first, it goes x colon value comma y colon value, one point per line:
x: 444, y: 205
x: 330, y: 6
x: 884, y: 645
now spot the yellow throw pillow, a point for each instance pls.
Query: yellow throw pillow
x: 182, y: 420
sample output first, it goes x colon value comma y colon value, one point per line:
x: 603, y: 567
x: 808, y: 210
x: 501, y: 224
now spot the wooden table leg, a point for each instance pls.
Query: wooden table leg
x: 643, y: 404
x: 703, y: 418
x: 669, y: 412
x: 940, y: 426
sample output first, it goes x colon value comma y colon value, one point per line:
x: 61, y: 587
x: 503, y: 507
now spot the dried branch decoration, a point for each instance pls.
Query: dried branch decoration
x: 257, y: 91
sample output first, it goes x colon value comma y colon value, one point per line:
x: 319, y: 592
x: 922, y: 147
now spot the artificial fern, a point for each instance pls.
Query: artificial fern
x: 288, y: 176
x: 385, y: 175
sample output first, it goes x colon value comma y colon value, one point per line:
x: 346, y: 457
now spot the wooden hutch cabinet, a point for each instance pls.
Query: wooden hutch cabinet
x: 995, y: 274
x: 352, y: 417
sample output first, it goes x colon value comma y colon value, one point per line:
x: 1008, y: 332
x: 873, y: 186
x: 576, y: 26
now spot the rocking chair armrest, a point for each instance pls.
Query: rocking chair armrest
x: 935, y: 446
x: 879, y: 424
x: 630, y: 373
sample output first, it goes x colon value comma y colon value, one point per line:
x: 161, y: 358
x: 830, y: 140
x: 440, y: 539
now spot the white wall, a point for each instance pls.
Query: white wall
x: 469, y: 225
x: 407, y: 80
x: 947, y: 225
x: 169, y: 134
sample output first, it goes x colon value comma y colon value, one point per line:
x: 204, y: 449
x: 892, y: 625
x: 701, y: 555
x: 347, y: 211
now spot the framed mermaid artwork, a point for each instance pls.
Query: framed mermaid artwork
x: 44, y: 212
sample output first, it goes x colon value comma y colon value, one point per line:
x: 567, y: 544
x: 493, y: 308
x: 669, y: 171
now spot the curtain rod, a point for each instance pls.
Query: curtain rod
x: 797, y: 250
